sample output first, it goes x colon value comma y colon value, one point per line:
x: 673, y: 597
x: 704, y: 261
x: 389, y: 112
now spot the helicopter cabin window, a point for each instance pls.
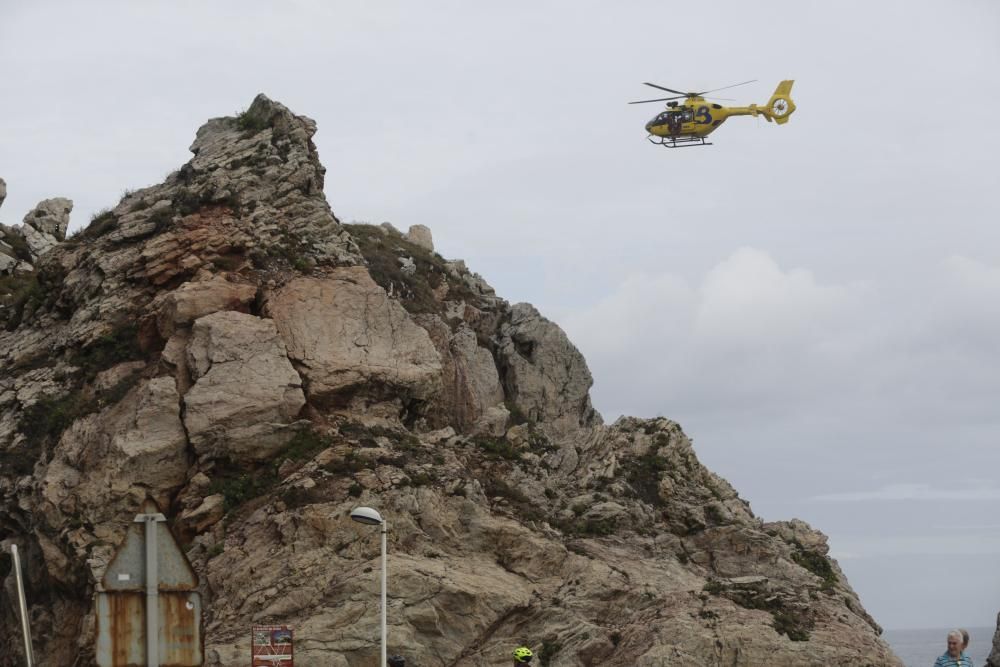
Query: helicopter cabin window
x: 673, y: 118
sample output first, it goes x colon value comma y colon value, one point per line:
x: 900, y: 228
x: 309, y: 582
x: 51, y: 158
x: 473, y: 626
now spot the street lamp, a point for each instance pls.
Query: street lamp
x: 370, y: 517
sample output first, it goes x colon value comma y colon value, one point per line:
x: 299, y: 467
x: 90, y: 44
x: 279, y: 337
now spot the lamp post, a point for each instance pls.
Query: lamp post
x: 370, y: 517
x: 23, y: 607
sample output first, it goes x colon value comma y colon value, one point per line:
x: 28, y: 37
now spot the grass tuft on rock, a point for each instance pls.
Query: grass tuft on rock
x: 382, y: 250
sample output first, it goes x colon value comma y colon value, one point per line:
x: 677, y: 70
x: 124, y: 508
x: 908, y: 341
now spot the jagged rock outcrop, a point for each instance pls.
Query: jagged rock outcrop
x: 470, y: 383
x: 545, y: 376
x: 3, y: 191
x: 43, y: 228
x: 220, y: 342
x: 421, y: 235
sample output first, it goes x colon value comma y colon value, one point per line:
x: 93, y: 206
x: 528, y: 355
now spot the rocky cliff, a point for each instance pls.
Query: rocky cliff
x: 221, y: 343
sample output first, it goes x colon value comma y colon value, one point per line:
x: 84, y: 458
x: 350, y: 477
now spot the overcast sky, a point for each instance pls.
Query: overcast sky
x: 818, y: 304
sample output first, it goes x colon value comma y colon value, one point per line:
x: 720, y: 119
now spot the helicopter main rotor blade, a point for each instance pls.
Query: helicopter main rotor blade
x: 724, y: 87
x: 662, y: 99
x: 669, y: 90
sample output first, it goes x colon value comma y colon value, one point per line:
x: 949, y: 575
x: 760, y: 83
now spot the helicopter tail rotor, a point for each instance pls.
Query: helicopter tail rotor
x: 780, y: 106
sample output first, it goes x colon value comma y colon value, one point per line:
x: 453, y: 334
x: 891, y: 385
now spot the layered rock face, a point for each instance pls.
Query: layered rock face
x: 221, y: 343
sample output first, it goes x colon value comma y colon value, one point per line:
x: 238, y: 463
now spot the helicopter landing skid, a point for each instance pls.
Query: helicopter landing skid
x: 677, y: 142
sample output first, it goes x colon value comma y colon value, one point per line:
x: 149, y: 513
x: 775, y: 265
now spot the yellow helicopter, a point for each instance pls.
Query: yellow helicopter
x: 688, y: 123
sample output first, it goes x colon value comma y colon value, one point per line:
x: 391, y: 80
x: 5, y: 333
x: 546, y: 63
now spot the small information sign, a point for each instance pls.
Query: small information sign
x: 271, y: 646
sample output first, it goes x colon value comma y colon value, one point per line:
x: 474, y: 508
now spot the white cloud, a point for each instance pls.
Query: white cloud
x: 973, y: 275
x: 748, y: 299
x: 750, y: 332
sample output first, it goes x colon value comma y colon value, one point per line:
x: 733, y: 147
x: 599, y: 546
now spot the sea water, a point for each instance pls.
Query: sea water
x: 920, y: 648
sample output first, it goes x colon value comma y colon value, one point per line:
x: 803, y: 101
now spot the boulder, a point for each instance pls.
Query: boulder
x: 245, y: 392
x: 351, y: 341
x: 45, y: 225
x: 182, y: 306
x: 421, y: 236
x: 208, y: 513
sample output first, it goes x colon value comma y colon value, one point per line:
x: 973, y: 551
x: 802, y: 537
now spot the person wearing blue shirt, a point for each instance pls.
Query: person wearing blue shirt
x: 954, y: 657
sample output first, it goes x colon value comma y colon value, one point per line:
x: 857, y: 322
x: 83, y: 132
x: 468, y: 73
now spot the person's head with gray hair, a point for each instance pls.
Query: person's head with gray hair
x: 965, y: 638
x: 955, y: 643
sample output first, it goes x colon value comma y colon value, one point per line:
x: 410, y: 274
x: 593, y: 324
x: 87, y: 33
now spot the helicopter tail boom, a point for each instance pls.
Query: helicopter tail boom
x: 780, y: 106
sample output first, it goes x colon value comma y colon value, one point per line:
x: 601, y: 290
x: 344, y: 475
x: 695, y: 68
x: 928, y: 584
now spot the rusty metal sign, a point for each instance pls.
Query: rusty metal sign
x: 127, y: 570
x: 121, y: 629
x: 149, y: 614
x: 271, y: 646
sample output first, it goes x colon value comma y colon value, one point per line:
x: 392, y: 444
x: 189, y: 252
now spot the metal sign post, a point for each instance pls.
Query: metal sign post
x: 149, y: 611
x: 152, y: 589
x: 23, y: 604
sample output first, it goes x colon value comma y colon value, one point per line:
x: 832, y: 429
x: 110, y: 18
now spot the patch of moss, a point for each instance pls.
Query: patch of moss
x: 595, y: 527
x: 48, y: 417
x: 791, y: 625
x: 348, y: 465
x: 422, y: 479
x: 18, y: 244
x: 643, y: 475
x: 714, y: 514
x: 238, y: 488
x: 795, y: 625
x: 115, y: 347
x: 239, y: 483
x: 306, y: 444
x: 21, y: 295
x: 44, y: 421
x: 382, y: 251
x: 517, y: 416
x: 818, y: 564
x: 713, y: 587
x: 497, y: 448
x: 250, y: 123
x: 189, y: 201
x: 101, y: 223
x: 550, y: 649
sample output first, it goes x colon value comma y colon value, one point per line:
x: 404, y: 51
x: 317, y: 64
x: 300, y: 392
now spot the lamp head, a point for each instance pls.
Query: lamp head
x: 366, y: 515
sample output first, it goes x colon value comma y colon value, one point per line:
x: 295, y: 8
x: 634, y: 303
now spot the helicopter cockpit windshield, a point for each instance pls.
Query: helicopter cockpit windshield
x: 672, y: 118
